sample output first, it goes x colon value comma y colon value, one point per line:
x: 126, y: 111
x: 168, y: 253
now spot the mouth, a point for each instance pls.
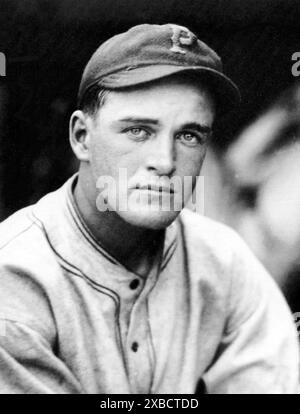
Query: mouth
x: 155, y: 188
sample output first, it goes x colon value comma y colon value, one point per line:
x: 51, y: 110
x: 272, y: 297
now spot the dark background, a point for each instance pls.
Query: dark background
x: 47, y: 44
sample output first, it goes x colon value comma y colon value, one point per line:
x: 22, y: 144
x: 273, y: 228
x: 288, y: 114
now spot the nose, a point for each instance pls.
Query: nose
x: 161, y: 156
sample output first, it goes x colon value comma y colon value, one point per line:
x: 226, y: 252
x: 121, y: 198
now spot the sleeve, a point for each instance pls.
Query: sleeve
x: 29, y: 358
x: 259, y: 352
x: 28, y: 364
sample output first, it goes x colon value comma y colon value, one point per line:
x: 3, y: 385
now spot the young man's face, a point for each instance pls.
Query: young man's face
x: 149, y: 138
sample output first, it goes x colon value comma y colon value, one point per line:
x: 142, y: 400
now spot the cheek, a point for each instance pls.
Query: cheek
x: 107, y: 157
x: 190, y: 162
x: 100, y: 160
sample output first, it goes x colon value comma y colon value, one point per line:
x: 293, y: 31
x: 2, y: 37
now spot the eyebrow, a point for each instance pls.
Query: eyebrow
x: 141, y: 120
x: 203, y: 129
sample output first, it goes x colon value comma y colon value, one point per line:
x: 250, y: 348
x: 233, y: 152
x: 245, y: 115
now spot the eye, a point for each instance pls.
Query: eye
x: 189, y: 138
x: 137, y: 133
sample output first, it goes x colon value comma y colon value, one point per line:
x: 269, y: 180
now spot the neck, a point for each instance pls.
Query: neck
x: 135, y: 247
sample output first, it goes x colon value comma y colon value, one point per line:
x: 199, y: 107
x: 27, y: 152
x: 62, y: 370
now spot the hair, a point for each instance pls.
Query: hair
x: 93, y: 99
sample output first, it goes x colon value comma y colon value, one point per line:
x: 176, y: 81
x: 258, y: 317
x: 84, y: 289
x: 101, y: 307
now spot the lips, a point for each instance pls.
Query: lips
x: 155, y: 187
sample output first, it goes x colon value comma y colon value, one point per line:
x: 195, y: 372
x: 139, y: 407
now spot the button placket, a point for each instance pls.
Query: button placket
x: 140, y: 368
x: 140, y: 354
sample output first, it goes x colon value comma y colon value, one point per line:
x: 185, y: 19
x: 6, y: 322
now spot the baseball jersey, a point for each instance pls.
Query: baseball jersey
x: 75, y: 320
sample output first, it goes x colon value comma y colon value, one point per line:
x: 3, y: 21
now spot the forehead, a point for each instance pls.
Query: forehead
x: 172, y: 97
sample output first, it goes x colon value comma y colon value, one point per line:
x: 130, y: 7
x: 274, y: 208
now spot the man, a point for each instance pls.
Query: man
x: 103, y: 288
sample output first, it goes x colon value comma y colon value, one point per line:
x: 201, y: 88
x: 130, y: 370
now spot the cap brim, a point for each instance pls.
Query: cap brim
x: 225, y: 91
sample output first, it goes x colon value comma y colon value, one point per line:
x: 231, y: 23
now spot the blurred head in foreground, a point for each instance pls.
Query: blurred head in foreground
x: 265, y: 166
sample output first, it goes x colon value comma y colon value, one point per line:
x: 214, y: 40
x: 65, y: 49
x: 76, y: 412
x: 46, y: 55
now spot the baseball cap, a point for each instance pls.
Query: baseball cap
x: 149, y: 52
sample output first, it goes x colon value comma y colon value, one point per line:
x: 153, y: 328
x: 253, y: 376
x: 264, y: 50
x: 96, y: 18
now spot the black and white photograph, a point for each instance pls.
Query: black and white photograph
x: 149, y: 199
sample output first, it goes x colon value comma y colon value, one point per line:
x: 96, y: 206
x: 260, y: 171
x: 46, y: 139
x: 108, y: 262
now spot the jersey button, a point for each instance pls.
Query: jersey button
x: 134, y: 284
x: 134, y: 346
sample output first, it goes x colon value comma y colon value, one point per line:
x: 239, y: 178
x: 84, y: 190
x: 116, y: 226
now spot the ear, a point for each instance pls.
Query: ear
x: 79, y: 135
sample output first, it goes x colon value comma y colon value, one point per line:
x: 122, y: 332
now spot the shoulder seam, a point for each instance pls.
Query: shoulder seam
x: 16, y: 236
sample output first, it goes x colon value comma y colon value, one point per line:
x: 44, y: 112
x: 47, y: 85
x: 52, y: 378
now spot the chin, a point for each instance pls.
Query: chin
x: 148, y: 219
